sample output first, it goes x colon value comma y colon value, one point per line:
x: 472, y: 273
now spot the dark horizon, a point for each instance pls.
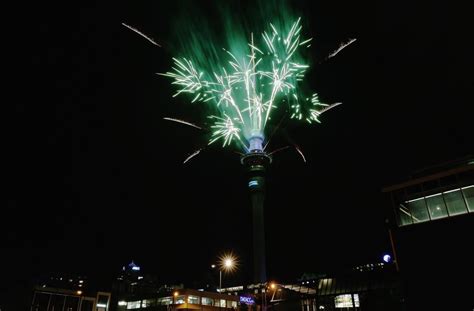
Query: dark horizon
x: 95, y: 175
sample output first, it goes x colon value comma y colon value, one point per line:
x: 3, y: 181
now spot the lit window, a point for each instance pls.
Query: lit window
x: 455, y: 202
x: 469, y: 195
x: 418, y: 210
x: 180, y: 300
x: 193, y: 300
x: 134, y: 304
x: 148, y: 303
x: 345, y: 301
x: 222, y: 303
x: 207, y: 301
x: 436, y: 206
x: 165, y: 301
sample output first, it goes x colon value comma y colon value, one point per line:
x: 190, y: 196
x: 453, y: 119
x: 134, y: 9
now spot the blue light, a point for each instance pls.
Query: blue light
x: 253, y: 183
x: 247, y: 300
x: 387, y: 258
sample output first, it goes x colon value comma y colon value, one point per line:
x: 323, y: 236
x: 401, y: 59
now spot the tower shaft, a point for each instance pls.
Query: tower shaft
x: 255, y: 163
x: 257, y: 196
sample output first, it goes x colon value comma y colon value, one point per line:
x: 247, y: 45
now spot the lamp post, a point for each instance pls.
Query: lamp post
x: 175, y: 295
x: 227, y: 263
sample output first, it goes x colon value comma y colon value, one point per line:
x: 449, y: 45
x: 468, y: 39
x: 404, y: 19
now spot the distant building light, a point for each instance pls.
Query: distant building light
x: 387, y: 258
x: 81, y: 281
x: 140, y: 277
x: 79, y: 292
x: 253, y: 183
x: 136, y: 268
x: 80, y: 285
x: 122, y: 303
x: 101, y: 305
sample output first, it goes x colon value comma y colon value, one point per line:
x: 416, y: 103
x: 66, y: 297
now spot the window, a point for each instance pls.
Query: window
x: 404, y: 216
x: 418, y: 210
x: 133, y: 304
x: 345, y: 301
x: 193, y: 300
x: 231, y: 304
x: 148, y: 303
x: 165, y: 301
x: 455, y: 202
x: 436, y: 206
x: 180, y: 300
x: 207, y: 301
x: 469, y: 195
x: 222, y: 303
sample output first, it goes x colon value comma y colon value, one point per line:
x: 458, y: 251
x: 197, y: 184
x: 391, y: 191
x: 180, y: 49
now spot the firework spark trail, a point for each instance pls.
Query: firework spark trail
x: 300, y: 152
x: 278, y: 150
x: 273, y: 132
x: 195, y: 153
x: 141, y: 34
x: 183, y: 122
x: 341, y: 47
x: 329, y: 107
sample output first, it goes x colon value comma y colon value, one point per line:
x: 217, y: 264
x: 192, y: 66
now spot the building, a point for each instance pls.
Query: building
x: 183, y: 299
x: 131, y: 280
x: 67, y: 292
x: 431, y: 225
x: 53, y: 299
x: 374, y: 286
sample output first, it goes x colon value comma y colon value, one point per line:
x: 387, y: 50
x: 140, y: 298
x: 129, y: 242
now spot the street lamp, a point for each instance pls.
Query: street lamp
x: 175, y: 295
x: 227, y: 263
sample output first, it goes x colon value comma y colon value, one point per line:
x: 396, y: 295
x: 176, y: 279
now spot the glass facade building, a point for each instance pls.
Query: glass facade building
x: 430, y: 220
x: 436, y: 196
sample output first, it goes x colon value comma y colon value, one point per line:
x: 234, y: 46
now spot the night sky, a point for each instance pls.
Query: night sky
x: 95, y: 176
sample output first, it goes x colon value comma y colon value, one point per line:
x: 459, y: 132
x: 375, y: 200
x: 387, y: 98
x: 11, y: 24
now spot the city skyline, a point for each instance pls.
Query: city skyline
x: 96, y: 176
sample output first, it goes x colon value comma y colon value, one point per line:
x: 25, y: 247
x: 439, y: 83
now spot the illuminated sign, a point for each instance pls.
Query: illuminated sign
x: 247, y: 300
x: 253, y: 183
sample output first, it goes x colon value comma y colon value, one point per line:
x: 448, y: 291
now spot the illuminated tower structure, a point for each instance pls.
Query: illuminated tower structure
x: 256, y: 162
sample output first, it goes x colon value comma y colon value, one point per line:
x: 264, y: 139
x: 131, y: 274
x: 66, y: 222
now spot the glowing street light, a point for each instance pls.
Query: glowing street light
x: 227, y: 263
